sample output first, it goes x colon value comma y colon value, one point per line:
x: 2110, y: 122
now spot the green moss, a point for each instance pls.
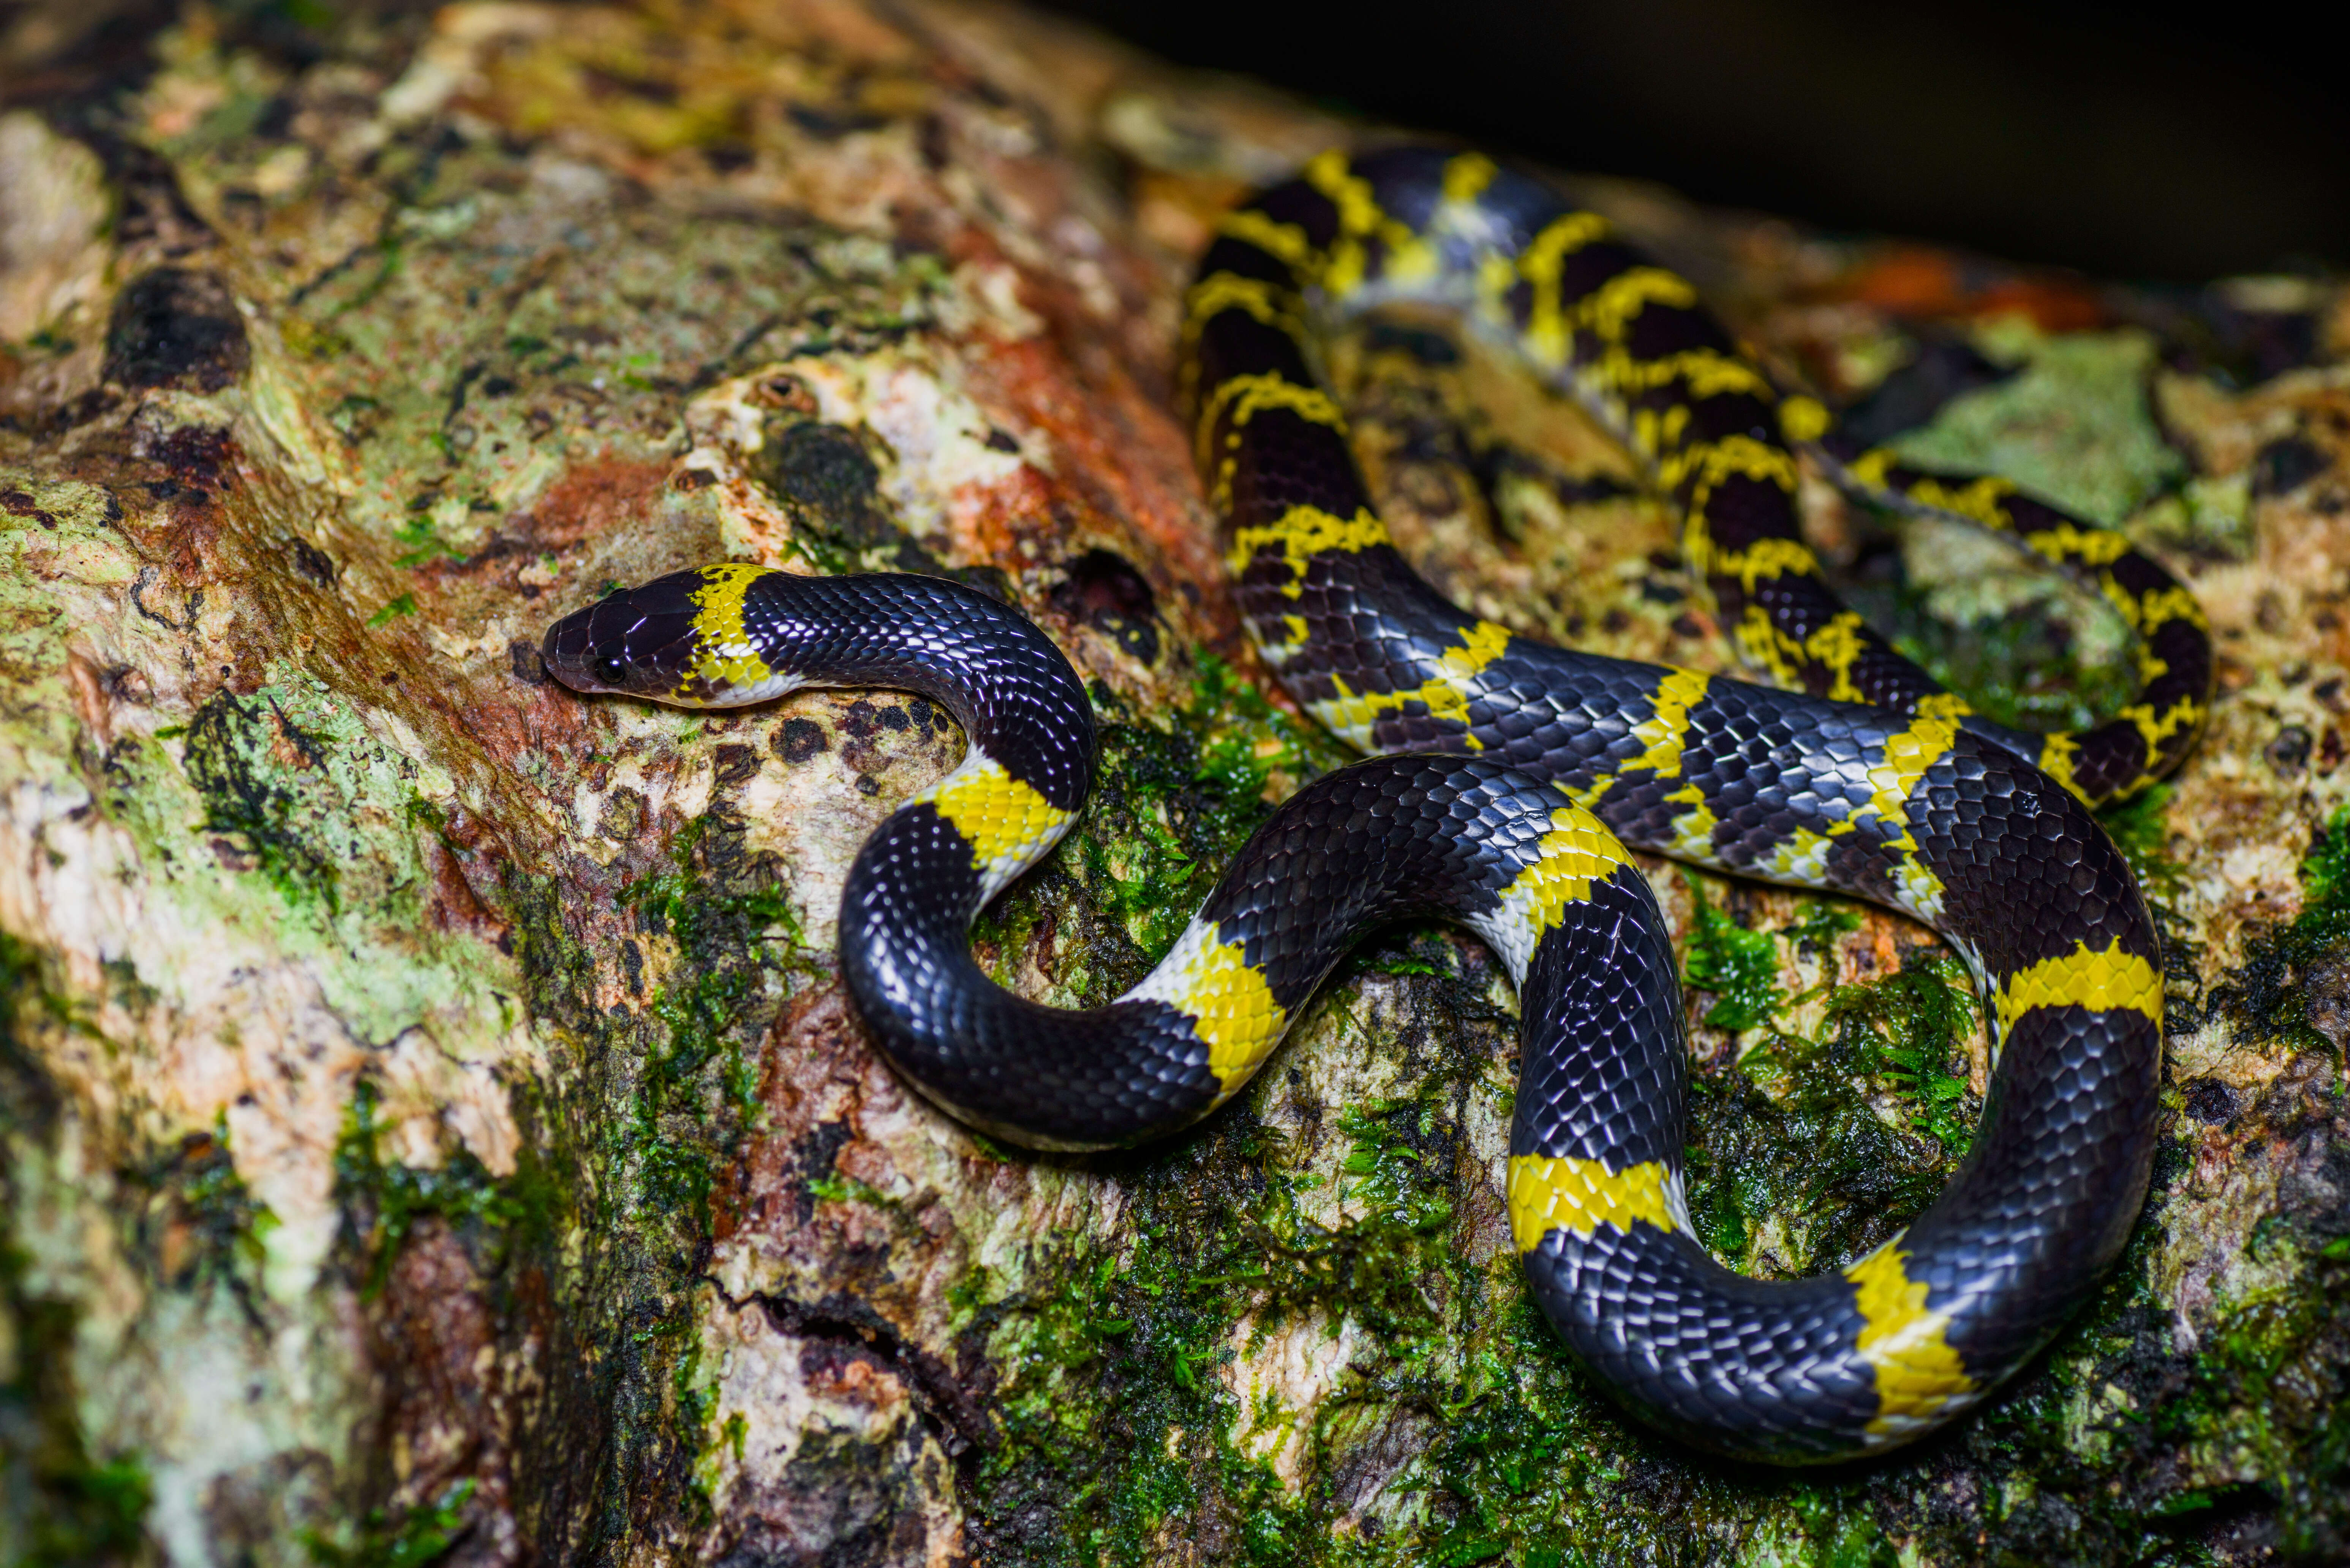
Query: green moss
x: 1186, y: 798
x: 2121, y: 1446
x: 1820, y: 924
x: 2023, y: 670
x: 1739, y: 966
x: 1791, y: 1168
x: 834, y: 1188
x: 617, y: 1163
x: 738, y: 942
x: 1169, y: 807
x: 414, y: 1538
x: 2325, y: 878
x: 296, y: 790
x: 421, y: 545
x: 86, y: 1514
x: 1119, y: 1423
x: 197, y: 1188
x: 1907, y: 1028
x: 2075, y: 427
x: 383, y: 1199
x: 404, y: 604
x: 636, y: 1138
x: 1169, y: 812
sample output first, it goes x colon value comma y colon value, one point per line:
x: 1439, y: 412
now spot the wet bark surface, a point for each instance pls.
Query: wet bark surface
x: 430, y: 1126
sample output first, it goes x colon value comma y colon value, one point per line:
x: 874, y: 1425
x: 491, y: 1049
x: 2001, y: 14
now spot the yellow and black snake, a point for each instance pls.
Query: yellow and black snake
x: 1514, y: 772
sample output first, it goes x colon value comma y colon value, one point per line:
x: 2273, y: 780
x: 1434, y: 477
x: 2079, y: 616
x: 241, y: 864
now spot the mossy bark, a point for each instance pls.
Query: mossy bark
x: 431, y: 1128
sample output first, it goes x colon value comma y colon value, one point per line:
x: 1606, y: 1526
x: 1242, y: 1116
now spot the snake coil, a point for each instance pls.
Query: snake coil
x: 1512, y: 776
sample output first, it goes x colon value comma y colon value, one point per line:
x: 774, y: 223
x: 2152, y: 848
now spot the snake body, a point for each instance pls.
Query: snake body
x: 1512, y: 776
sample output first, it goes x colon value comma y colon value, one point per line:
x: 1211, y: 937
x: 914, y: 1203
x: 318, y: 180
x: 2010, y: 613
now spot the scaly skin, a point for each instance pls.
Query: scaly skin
x: 1516, y: 774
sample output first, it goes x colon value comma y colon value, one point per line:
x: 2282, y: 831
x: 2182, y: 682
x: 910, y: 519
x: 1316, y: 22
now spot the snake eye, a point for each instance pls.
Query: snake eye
x: 609, y: 669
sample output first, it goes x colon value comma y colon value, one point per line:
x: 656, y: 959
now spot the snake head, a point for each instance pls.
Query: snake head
x: 640, y: 641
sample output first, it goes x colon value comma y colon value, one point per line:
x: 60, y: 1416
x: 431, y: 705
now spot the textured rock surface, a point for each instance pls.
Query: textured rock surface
x: 430, y: 1130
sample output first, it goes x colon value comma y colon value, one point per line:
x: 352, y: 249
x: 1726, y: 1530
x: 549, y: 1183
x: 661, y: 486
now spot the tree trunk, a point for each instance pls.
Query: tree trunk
x: 432, y: 1128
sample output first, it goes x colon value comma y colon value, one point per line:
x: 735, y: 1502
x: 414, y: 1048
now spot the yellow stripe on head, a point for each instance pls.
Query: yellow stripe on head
x: 1007, y: 825
x: 2108, y: 982
x: 722, y: 653
x: 1230, y: 1003
x: 1902, y: 1340
x: 1557, y: 1192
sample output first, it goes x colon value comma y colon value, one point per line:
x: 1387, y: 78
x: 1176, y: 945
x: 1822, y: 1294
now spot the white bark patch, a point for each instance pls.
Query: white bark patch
x: 942, y: 473
x: 807, y: 1434
x: 1282, y: 1379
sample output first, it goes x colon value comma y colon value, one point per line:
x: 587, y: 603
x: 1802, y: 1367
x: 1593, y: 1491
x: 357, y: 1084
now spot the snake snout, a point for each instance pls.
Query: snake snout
x: 631, y: 641
x: 565, y: 650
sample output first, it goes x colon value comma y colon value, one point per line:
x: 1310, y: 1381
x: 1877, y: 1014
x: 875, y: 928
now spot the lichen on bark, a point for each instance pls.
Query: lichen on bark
x: 431, y: 1128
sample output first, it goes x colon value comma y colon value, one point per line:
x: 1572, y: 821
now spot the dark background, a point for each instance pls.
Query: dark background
x: 2154, y: 142
x: 2124, y: 141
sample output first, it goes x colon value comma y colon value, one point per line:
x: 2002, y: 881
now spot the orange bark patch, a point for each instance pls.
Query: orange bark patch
x: 1122, y: 457
x: 594, y: 498
x: 1913, y: 281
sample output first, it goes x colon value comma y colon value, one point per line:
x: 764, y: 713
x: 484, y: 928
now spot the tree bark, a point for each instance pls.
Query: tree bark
x: 431, y: 1125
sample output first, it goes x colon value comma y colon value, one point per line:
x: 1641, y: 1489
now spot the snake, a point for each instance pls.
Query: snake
x: 1508, y: 783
